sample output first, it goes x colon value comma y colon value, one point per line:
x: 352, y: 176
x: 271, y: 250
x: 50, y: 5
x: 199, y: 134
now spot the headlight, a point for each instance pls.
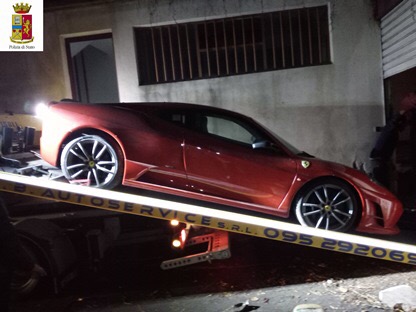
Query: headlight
x: 41, y: 110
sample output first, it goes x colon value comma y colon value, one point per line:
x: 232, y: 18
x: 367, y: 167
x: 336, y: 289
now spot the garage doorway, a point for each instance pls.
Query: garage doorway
x: 398, y: 39
x: 404, y: 175
x: 92, y: 69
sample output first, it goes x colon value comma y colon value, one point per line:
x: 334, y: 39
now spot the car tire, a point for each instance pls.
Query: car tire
x: 329, y: 204
x: 94, y: 160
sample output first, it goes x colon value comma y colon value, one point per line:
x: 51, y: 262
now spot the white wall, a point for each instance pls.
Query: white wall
x: 329, y: 110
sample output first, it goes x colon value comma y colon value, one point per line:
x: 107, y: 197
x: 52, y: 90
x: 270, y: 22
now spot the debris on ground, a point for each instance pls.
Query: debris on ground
x: 400, y: 298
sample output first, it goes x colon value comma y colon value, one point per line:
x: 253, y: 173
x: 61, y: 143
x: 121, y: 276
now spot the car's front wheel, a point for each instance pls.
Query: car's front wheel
x: 94, y: 160
x: 328, y: 204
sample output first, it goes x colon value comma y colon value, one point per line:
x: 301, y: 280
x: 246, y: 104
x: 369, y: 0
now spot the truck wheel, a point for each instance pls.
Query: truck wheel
x: 48, y: 246
x: 23, y: 282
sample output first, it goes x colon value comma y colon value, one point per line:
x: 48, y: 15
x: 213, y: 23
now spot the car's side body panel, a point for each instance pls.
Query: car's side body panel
x: 232, y: 171
x: 165, y: 150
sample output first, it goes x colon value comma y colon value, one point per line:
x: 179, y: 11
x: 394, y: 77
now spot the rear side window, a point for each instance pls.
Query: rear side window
x: 173, y: 117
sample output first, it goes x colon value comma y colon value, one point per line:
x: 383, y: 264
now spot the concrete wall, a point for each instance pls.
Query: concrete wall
x: 329, y: 111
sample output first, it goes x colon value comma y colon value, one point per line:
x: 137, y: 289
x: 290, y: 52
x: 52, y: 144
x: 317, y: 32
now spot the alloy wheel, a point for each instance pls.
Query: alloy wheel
x: 327, y: 206
x: 91, y: 158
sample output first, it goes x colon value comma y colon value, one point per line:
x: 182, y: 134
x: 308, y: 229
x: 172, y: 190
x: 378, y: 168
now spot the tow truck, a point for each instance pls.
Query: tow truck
x: 64, y: 224
x: 62, y: 236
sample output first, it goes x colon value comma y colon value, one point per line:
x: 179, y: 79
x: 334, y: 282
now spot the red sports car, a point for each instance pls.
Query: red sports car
x: 214, y: 155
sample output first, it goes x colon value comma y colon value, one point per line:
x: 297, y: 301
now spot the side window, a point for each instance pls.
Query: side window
x: 223, y: 126
x: 229, y: 129
x: 173, y: 117
x: 177, y: 118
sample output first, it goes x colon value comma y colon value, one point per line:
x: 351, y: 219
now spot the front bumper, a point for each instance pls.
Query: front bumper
x: 380, y: 215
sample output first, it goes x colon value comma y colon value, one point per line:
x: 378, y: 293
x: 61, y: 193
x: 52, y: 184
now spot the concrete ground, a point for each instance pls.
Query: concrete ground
x: 344, y: 295
x: 360, y: 294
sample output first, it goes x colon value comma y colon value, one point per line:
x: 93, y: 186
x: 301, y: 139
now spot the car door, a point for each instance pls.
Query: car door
x: 220, y: 161
x: 158, y: 148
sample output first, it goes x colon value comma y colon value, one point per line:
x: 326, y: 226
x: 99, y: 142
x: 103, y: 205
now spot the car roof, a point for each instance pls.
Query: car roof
x: 173, y: 105
x: 151, y: 106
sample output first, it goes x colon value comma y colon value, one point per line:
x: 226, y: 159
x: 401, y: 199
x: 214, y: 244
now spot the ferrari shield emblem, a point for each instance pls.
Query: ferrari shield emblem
x: 305, y: 164
x: 22, y: 24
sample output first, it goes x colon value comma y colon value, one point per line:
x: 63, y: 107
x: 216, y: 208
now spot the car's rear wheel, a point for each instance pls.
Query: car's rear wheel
x: 329, y: 204
x: 94, y: 160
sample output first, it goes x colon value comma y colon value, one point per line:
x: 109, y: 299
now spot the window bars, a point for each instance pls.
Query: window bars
x: 233, y: 46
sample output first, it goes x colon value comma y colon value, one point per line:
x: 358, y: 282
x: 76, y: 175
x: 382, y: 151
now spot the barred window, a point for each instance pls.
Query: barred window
x: 233, y: 46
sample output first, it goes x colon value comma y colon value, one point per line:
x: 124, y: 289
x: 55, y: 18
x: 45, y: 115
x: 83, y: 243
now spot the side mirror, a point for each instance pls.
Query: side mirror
x: 262, y: 144
x: 267, y: 146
